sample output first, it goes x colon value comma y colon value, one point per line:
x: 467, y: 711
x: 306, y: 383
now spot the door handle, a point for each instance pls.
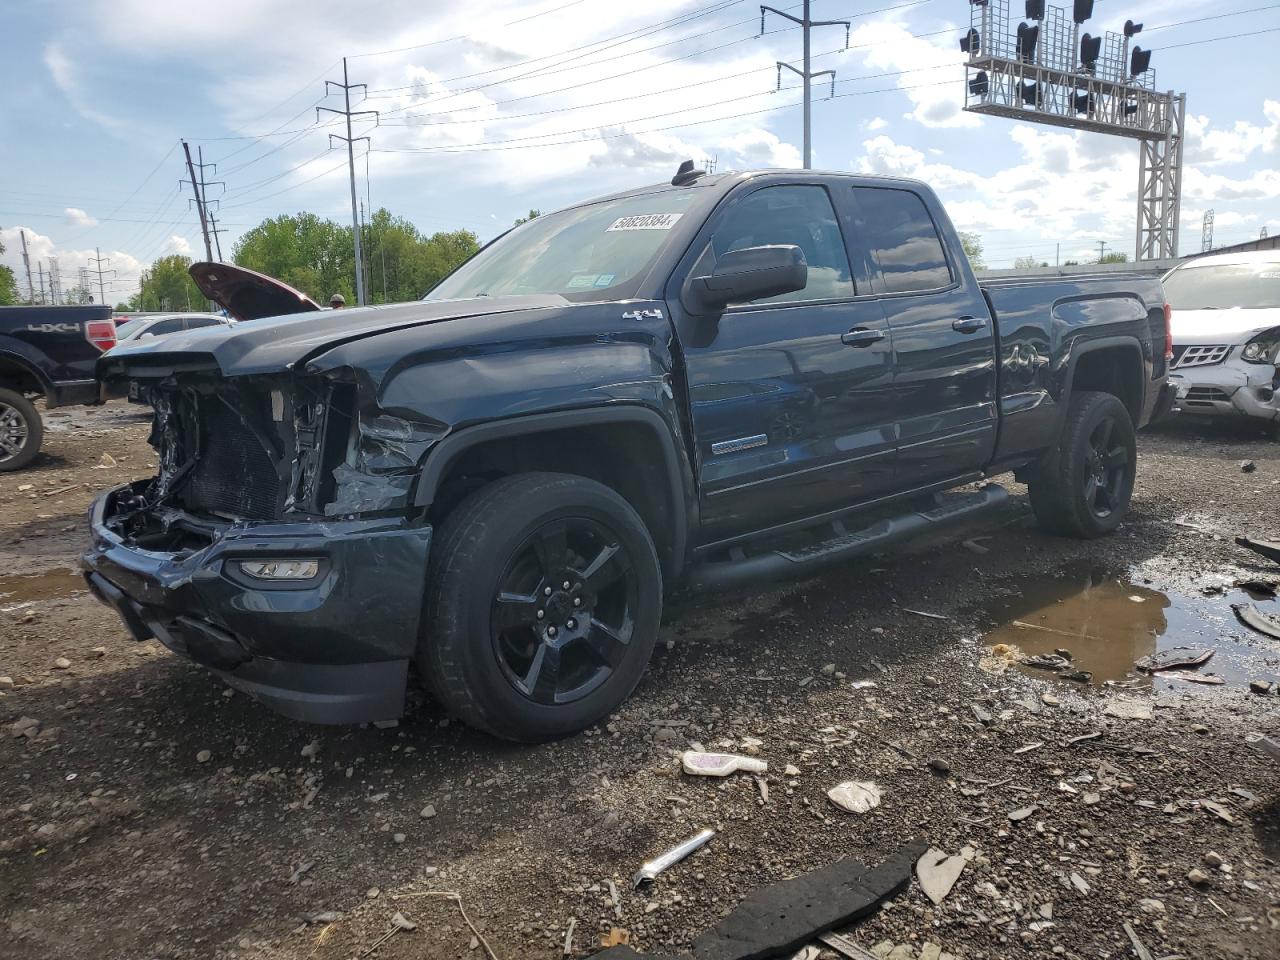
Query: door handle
x: 968, y: 324
x: 861, y: 337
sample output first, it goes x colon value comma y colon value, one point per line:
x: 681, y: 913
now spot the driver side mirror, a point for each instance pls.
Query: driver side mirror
x: 751, y: 273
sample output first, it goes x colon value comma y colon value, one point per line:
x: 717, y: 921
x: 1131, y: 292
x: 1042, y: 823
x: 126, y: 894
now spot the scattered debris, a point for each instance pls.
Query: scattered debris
x: 1174, y: 658
x: 1219, y: 811
x: 1046, y: 661
x: 791, y: 770
x: 974, y: 547
x: 1197, y: 877
x: 204, y: 756
x: 981, y: 715
x: 1247, y: 466
x: 1190, y: 676
x: 1268, y: 548
x: 1252, y: 617
x: 1260, y: 587
x: 457, y: 898
x: 1079, y: 883
x: 1128, y: 708
x: 1022, y: 813
x: 649, y: 870
x: 1262, y: 687
x: 1028, y: 747
x: 568, y: 937
x: 399, y: 922
x: 1139, y: 948
x: 719, y: 764
x: 862, y: 684
x: 938, y: 871
x: 617, y: 936
x: 925, y: 613
x: 845, y: 947
x: 938, y: 765
x: 855, y: 796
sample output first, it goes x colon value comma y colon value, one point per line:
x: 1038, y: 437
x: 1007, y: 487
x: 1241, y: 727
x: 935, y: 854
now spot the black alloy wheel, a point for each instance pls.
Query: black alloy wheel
x: 544, y: 599
x: 1104, y: 480
x: 564, y: 612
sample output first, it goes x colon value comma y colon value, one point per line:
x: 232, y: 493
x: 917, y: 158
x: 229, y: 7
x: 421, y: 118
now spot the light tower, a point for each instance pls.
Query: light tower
x: 1045, y: 71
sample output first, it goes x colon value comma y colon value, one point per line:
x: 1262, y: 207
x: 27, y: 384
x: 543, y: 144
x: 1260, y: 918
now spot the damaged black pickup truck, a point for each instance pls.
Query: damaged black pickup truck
x: 704, y: 382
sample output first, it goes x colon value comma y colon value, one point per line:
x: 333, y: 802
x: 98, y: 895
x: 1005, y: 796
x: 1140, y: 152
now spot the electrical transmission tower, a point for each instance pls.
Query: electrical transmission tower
x: 98, y: 259
x: 806, y: 74
x: 55, y: 281
x: 346, y: 86
x: 26, y: 262
x: 1206, y: 232
x: 1047, y: 72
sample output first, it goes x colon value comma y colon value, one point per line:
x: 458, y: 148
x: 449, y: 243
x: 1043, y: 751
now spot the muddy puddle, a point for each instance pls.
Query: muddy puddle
x: 1106, y: 623
x: 20, y: 592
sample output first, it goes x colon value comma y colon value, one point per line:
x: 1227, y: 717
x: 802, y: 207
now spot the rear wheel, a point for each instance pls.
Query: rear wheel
x: 1082, y: 487
x: 544, y: 603
x: 21, y: 431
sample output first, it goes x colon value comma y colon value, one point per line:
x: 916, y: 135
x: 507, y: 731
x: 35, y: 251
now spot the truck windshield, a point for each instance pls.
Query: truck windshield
x: 599, y: 251
x: 1221, y: 287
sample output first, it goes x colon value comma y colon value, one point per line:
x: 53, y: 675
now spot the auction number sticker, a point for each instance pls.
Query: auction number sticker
x: 646, y: 221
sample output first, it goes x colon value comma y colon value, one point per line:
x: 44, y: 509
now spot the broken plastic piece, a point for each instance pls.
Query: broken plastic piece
x: 1251, y: 616
x: 651, y: 868
x: 855, y: 796
x: 1174, y: 659
x: 1268, y: 548
x: 719, y: 764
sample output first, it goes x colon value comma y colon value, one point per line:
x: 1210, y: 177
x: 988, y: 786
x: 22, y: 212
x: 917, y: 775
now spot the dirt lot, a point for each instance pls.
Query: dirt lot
x: 152, y: 813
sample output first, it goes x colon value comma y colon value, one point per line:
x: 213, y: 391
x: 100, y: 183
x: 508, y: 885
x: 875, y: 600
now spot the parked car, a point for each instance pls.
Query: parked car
x: 502, y: 481
x: 1226, y: 335
x: 50, y: 352
x: 162, y: 325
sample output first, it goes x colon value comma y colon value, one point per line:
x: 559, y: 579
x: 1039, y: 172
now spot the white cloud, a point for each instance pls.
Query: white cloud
x: 875, y: 123
x: 1210, y: 146
x: 41, y: 248
x: 935, y: 83
x: 78, y: 218
x: 177, y: 244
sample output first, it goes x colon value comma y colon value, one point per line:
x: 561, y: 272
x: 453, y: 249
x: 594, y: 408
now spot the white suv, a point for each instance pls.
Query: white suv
x: 1226, y: 334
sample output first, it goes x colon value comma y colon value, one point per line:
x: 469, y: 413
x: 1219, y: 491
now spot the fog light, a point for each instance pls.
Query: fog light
x: 281, y: 569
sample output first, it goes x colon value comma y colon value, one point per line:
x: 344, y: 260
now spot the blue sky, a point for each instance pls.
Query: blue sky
x: 497, y: 106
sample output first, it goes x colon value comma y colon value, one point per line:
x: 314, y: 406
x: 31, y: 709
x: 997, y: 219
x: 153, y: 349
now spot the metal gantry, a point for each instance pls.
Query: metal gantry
x: 1047, y: 71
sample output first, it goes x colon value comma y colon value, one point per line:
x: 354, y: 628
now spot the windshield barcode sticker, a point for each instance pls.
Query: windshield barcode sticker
x: 646, y: 221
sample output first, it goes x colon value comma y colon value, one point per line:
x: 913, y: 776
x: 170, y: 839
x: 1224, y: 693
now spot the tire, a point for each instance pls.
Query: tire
x: 508, y: 649
x: 21, y: 431
x: 1082, y: 487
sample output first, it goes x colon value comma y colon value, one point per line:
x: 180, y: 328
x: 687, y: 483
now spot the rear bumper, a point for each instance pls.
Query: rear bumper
x: 1232, y: 388
x: 332, y: 650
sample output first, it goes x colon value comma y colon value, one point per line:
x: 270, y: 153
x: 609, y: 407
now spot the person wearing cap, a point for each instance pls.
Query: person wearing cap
x: 337, y: 301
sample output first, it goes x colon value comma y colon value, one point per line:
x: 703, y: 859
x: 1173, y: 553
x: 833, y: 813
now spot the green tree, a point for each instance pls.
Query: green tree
x: 8, y: 285
x: 1029, y: 263
x: 972, y: 244
x: 1115, y: 257
x: 314, y: 255
x: 532, y: 214
x: 77, y: 294
x: 166, y: 285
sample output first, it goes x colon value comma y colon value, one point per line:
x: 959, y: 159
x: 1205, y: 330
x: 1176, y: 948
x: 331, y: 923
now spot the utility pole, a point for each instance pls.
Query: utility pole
x: 55, y: 281
x: 1102, y: 250
x: 99, y: 259
x: 195, y: 189
x: 40, y: 267
x: 215, y: 230
x: 807, y: 74
x: 346, y: 86
x: 26, y: 262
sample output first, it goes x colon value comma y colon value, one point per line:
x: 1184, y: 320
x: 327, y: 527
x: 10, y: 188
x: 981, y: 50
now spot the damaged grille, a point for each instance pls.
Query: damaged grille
x: 235, y: 475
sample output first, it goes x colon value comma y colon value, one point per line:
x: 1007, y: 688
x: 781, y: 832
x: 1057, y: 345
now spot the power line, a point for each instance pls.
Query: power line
x: 463, y: 36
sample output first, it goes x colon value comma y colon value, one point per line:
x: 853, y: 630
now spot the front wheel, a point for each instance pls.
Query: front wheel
x: 1082, y: 487
x: 21, y: 431
x: 543, y: 606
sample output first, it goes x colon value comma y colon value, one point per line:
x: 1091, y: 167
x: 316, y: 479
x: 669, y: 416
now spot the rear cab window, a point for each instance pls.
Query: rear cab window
x: 894, y: 227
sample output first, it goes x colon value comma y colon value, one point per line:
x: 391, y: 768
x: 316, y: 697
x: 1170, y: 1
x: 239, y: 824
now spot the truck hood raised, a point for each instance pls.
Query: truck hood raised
x: 1232, y: 326
x: 279, y: 344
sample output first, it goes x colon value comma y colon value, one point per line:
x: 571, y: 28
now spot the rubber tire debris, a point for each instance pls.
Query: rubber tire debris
x: 778, y: 919
x: 1265, y: 623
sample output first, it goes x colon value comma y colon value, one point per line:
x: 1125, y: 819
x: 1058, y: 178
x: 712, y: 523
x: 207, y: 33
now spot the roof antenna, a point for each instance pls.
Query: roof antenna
x: 686, y: 174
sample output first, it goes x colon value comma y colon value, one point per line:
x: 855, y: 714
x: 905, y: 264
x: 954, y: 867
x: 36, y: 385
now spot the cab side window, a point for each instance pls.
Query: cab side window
x: 801, y: 215
x: 896, y: 227
x: 195, y: 323
x: 172, y: 325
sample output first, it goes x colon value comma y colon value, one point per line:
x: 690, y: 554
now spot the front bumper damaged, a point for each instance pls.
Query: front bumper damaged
x: 1233, y: 388
x: 333, y: 649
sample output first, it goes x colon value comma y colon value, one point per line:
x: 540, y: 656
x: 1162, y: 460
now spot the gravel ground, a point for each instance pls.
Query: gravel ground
x: 153, y: 813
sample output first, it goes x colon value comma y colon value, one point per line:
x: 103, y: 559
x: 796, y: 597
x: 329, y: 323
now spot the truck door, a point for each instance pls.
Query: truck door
x: 943, y: 337
x: 790, y: 396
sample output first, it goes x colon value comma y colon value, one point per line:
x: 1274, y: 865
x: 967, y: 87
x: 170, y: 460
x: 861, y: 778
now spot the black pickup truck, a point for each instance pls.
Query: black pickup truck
x: 50, y: 352
x: 697, y: 383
